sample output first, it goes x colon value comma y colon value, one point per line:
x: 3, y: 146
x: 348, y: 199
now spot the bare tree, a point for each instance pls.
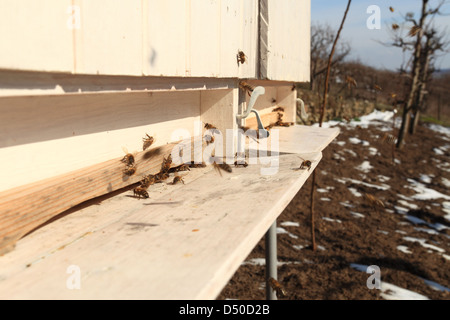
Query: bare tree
x: 424, y: 44
x: 322, y: 38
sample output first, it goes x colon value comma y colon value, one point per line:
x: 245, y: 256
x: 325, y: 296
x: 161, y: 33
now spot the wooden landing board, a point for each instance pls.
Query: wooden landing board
x: 185, y: 242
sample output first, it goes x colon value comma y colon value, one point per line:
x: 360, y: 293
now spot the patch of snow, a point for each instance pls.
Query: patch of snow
x: 425, y: 178
x: 355, y: 192
x: 373, y: 151
x: 397, y: 161
x: 340, y: 180
x: 424, y: 193
x: 429, y: 231
x: 364, y: 167
x: 401, y: 210
x: 383, y: 232
x: 438, y: 151
x: 290, y: 224
x: 341, y: 143
x: 282, y: 230
x: 446, y: 182
x: 392, y: 292
x: 425, y: 245
x: 383, y: 187
x: 346, y: 204
x: 440, y: 129
x: 357, y: 214
x: 355, y: 140
x: 325, y: 199
x: 255, y: 262
x: 403, y: 249
x: 436, y: 286
x: 407, y: 204
x: 298, y: 246
x: 446, y: 209
x: 353, y: 153
x: 331, y: 220
x: 322, y: 190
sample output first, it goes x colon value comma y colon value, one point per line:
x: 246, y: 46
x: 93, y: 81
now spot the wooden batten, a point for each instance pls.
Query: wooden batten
x: 29, y: 206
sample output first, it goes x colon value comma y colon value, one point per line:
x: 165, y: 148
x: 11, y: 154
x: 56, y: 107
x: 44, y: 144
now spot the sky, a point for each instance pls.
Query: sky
x: 364, y: 42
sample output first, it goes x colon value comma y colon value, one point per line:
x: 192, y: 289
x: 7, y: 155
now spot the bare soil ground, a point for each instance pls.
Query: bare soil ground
x: 408, y: 238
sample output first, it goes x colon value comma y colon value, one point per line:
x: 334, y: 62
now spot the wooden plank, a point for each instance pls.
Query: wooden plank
x: 287, y: 59
x: 25, y: 208
x: 184, y: 243
x: 37, y: 35
x: 26, y: 83
x: 109, y: 40
x: 44, y: 136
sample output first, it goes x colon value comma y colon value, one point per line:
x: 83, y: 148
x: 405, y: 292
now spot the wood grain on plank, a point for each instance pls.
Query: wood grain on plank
x: 24, y: 208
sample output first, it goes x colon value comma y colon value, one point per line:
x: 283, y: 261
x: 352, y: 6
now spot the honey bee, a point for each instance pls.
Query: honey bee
x: 222, y: 166
x: 413, y: 31
x: 128, y: 159
x: 140, y: 192
x: 395, y: 26
x: 278, y: 109
x: 391, y: 9
x: 165, y: 166
x: 276, y: 286
x: 209, y: 126
x: 183, y: 167
x: 241, y: 57
x: 147, y: 142
x: 388, y: 138
x: 161, y: 176
x: 177, y: 179
x: 245, y: 86
x: 130, y: 170
x: 148, y: 181
x: 373, y: 201
x: 350, y: 81
x: 306, y: 164
x: 377, y: 87
x: 196, y: 165
x: 240, y: 163
x: 209, y: 139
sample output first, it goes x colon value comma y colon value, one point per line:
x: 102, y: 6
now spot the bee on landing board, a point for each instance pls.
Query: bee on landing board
x: 140, y: 192
x: 165, y: 166
x: 128, y: 159
x: 148, y: 181
x: 130, y: 170
x: 147, y: 142
x: 306, y: 164
x: 222, y: 166
x: 177, y: 179
x: 276, y: 286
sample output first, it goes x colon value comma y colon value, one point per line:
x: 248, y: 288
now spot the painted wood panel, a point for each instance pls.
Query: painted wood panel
x: 36, y: 35
x: 289, y: 40
x: 109, y: 40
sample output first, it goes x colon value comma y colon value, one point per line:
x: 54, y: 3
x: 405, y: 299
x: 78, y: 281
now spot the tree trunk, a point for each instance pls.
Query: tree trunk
x: 413, y: 92
x: 403, y: 127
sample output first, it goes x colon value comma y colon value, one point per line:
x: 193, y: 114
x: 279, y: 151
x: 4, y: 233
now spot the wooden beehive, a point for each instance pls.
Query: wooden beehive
x: 82, y: 81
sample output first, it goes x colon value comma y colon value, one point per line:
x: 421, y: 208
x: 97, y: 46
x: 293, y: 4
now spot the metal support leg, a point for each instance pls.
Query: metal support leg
x: 271, y: 259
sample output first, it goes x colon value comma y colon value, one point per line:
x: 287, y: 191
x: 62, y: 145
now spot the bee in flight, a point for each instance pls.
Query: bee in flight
x: 276, y: 286
x: 147, y: 142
